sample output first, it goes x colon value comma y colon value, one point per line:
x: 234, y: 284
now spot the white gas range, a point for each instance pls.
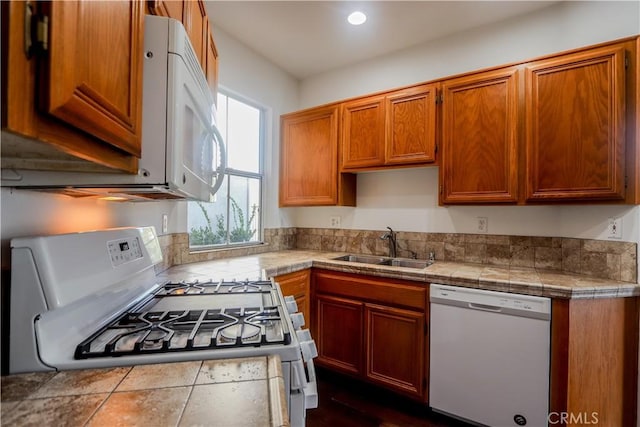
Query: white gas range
x: 93, y: 299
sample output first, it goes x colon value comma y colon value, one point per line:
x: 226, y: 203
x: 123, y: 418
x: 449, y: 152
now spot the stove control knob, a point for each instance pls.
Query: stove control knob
x: 292, y: 306
x: 307, y: 345
x: 298, y: 320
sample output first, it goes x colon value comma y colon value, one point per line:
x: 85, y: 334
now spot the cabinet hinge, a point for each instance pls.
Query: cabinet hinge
x: 36, y: 31
x: 439, y: 99
x: 626, y: 60
x: 626, y: 181
x: 440, y: 189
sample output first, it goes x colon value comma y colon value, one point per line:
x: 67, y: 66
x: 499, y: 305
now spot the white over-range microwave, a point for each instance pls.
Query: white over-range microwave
x: 183, y: 155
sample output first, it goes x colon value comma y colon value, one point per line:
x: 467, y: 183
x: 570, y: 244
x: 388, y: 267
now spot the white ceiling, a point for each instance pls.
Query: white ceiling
x: 309, y: 37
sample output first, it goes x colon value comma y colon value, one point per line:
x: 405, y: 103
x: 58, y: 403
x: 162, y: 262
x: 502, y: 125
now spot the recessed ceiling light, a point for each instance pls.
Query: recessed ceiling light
x: 357, y: 18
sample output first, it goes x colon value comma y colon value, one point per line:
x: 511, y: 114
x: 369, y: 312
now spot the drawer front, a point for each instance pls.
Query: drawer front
x: 374, y: 289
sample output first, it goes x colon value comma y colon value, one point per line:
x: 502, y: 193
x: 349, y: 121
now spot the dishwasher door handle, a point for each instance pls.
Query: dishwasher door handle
x: 485, y: 307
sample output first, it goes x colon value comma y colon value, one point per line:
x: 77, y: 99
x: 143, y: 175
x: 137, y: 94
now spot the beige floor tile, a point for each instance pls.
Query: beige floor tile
x: 158, y: 376
x: 20, y: 386
x: 161, y: 407
x: 236, y: 404
x: 85, y: 381
x: 223, y: 371
x: 58, y: 411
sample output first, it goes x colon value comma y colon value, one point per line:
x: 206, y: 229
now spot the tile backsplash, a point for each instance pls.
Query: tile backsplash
x: 596, y: 258
x: 176, y: 251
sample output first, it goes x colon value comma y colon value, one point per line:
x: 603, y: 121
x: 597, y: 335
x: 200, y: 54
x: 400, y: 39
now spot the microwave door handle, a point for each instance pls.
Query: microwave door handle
x: 219, y: 172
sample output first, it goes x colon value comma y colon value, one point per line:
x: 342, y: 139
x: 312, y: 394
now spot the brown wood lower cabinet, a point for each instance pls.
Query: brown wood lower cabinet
x: 296, y: 284
x: 372, y: 328
x: 395, y: 348
x: 594, y: 361
x: 339, y: 333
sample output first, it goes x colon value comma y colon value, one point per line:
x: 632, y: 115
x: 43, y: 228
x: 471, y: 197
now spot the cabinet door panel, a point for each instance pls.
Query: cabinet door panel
x: 480, y: 127
x: 339, y: 333
x: 575, y: 126
x: 297, y: 285
x: 309, y: 158
x: 363, y: 133
x: 389, y: 330
x: 94, y: 72
x: 411, y: 126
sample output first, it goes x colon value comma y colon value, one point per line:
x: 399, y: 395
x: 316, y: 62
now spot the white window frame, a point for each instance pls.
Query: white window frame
x: 259, y: 238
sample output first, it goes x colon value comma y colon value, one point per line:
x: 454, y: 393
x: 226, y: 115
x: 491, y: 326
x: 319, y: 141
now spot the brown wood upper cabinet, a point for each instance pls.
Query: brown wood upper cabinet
x: 397, y: 128
x: 363, y: 133
x: 479, y: 160
x: 558, y: 129
x: 575, y: 126
x: 309, y: 160
x: 81, y: 95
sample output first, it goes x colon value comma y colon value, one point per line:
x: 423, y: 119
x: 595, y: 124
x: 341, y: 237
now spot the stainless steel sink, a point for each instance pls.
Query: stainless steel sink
x: 364, y: 259
x: 411, y: 263
x: 379, y: 260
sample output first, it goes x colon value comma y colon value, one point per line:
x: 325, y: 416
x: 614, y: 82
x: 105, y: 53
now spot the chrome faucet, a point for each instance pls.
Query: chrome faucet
x: 391, y: 237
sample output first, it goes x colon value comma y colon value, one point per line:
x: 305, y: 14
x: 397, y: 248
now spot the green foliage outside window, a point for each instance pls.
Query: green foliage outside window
x: 241, y: 231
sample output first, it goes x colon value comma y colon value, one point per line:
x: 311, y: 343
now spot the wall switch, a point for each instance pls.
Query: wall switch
x: 483, y: 224
x: 614, y: 228
x: 334, y: 221
x: 165, y: 223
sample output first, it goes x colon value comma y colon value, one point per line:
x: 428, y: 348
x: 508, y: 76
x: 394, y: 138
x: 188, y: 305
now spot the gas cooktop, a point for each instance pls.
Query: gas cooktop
x: 187, y: 316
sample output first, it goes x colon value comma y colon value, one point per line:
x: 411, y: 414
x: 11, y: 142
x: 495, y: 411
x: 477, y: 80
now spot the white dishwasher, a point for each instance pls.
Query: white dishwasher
x: 489, y: 356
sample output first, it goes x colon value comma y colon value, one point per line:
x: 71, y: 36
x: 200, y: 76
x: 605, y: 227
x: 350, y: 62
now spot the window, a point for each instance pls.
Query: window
x: 234, y: 216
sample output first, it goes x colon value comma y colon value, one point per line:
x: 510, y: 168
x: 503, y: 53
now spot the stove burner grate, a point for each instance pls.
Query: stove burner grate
x: 188, y: 330
x: 215, y: 287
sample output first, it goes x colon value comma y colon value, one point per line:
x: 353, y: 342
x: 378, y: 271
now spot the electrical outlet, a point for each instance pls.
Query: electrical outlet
x: 334, y: 221
x: 614, y: 228
x: 483, y: 224
x: 165, y: 223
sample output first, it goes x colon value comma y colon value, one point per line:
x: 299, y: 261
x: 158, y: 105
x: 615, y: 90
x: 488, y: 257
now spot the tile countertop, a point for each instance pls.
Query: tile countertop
x: 231, y: 392
x: 519, y: 280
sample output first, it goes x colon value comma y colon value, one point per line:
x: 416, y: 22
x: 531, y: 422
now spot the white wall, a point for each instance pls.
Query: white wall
x: 407, y: 199
x: 561, y: 26
x: 30, y: 213
x: 250, y: 75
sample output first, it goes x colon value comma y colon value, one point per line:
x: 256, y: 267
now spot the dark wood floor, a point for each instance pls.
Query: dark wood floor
x: 344, y: 402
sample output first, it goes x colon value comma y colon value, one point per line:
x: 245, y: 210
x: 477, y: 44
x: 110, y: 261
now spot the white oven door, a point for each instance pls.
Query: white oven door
x: 196, y: 157
x: 301, y: 390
